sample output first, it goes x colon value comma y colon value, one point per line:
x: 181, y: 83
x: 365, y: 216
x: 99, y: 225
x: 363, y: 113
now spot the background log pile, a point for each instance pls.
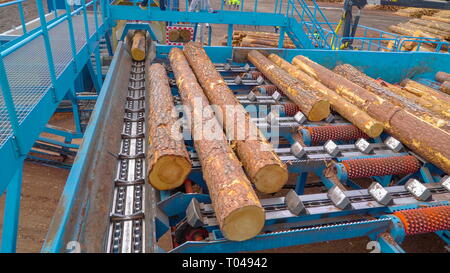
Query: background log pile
x: 435, y: 25
x: 416, y: 12
x: 258, y: 39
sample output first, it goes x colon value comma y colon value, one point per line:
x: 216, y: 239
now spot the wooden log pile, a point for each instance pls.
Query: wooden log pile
x: 138, y: 45
x: 239, y: 212
x: 258, y: 39
x: 426, y: 139
x: 415, y: 12
x: 259, y: 160
x: 431, y: 26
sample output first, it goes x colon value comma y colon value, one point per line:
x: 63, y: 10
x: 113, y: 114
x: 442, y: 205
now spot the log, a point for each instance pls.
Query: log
x: 445, y: 87
x: 138, y: 45
x: 313, y: 106
x: 349, y: 111
x: 168, y: 158
x: 263, y: 166
x: 351, y: 73
x: 431, y: 142
x: 414, y: 32
x: 441, y: 76
x: 185, y: 35
x: 438, y: 98
x: 443, y: 35
x: 436, y: 18
x: 238, y: 211
x: 429, y: 112
x: 174, y: 35
x: 432, y: 24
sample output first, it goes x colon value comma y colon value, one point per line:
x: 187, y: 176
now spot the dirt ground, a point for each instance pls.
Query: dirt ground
x: 42, y: 186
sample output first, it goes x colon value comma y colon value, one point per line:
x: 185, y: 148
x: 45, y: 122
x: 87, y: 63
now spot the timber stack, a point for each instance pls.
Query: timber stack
x: 238, y: 210
x: 262, y: 165
x: 433, y: 141
x: 168, y: 158
x: 444, y: 79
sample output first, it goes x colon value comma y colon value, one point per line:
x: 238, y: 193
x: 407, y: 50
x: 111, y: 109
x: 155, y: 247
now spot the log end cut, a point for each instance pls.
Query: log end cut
x: 374, y: 129
x: 138, y: 54
x: 169, y: 172
x: 271, y: 178
x: 319, y: 111
x: 244, y: 223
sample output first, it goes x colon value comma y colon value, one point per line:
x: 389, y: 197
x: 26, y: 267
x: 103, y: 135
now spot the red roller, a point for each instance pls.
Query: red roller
x: 425, y: 220
x: 290, y: 109
x: 335, y: 132
x: 367, y: 167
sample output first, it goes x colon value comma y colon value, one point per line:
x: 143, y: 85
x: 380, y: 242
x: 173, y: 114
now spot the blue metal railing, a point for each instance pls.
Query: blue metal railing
x: 21, y: 134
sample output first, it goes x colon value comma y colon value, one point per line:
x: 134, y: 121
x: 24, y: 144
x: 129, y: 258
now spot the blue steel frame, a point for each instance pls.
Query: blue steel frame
x: 24, y: 134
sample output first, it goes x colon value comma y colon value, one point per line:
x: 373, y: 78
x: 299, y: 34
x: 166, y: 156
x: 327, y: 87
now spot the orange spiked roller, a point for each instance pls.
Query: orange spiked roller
x: 368, y: 167
x: 425, y: 220
x: 290, y: 109
x: 335, y: 132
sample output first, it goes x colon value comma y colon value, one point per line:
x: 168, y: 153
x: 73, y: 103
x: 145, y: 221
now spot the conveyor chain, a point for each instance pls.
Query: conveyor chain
x: 126, y: 232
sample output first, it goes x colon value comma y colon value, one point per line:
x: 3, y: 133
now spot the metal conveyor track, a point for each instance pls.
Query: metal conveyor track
x: 126, y: 230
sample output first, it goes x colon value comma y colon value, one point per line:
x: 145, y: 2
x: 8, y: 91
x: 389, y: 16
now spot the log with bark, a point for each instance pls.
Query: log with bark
x: 438, y: 98
x: 263, y: 166
x: 445, y: 87
x: 138, y: 45
x: 429, y: 141
x: 351, y: 73
x: 428, y: 111
x: 441, y: 76
x: 238, y: 210
x: 432, y: 24
x: 313, y: 106
x: 168, y: 158
x: 349, y: 111
x: 436, y: 18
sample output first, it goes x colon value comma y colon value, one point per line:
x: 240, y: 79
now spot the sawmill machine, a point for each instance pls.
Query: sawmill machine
x: 345, y: 183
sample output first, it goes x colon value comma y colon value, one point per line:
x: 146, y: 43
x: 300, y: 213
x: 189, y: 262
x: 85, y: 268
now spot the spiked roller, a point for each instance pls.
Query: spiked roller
x: 367, y: 167
x: 335, y: 132
x: 290, y: 109
x: 252, y: 75
x: 268, y: 89
x: 425, y: 220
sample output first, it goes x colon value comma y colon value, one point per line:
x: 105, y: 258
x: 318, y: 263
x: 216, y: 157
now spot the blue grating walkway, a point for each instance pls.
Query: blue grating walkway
x: 28, y: 73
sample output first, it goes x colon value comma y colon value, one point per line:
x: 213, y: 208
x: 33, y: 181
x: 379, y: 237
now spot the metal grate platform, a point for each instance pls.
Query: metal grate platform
x: 28, y: 73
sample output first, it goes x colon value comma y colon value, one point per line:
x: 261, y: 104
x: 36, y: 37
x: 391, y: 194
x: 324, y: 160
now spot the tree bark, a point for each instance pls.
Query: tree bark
x: 238, y: 211
x: 138, y: 45
x: 428, y: 93
x: 436, y: 18
x: 349, y: 111
x: 265, y: 169
x: 313, y: 106
x: 168, y: 158
x: 441, y: 76
x: 354, y: 75
x: 445, y: 87
x: 432, y: 24
x: 429, y: 141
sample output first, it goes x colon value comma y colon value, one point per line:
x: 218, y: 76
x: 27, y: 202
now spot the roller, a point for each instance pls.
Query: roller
x: 425, y: 220
x: 368, y: 167
x: 319, y: 134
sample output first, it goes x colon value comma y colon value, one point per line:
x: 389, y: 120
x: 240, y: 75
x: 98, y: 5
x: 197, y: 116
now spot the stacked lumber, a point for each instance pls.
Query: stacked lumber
x: 408, y: 124
x: 444, y: 79
x: 239, y: 212
x: 258, y: 39
x: 416, y: 12
x: 260, y: 162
